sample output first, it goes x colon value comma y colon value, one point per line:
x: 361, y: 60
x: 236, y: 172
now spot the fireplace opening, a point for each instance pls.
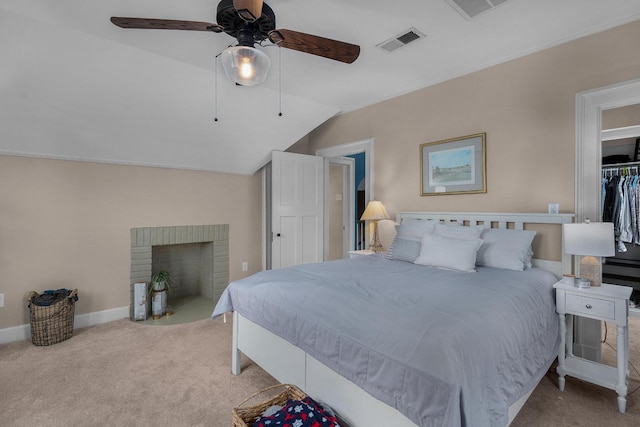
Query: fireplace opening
x: 190, y: 267
x: 196, y: 257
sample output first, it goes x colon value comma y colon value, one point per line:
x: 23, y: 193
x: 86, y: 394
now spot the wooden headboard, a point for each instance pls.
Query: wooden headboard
x: 515, y: 221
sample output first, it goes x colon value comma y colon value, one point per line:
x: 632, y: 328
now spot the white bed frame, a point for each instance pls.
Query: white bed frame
x: 289, y: 364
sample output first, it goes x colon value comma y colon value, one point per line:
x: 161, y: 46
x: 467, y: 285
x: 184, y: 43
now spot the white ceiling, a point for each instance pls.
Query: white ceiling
x: 74, y: 86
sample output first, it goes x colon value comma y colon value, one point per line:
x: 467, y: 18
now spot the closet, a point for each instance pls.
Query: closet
x: 620, y: 204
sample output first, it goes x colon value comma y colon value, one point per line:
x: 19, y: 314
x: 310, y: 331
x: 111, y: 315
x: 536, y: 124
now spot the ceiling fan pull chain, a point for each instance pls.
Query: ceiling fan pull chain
x: 280, y: 81
x: 215, y: 90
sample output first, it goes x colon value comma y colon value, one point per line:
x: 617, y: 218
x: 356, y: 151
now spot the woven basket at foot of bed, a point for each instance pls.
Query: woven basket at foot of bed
x: 245, y: 414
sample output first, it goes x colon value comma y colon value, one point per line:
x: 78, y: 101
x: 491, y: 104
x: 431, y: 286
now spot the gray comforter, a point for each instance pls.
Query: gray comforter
x: 444, y: 348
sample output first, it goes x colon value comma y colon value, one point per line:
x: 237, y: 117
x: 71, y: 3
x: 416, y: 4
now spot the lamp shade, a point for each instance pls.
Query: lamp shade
x: 375, y: 211
x: 589, y: 238
x: 245, y: 65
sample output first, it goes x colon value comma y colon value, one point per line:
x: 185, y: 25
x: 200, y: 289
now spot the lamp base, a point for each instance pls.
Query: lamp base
x: 590, y: 270
x: 375, y: 245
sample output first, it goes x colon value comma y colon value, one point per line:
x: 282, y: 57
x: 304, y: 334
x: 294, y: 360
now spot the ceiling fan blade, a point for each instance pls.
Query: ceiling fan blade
x: 165, y: 24
x: 249, y: 10
x: 315, y: 45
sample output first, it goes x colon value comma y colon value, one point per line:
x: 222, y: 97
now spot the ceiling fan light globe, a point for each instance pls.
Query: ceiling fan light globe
x: 245, y: 65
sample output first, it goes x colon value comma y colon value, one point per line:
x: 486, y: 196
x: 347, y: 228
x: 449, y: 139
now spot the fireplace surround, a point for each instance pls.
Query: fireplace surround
x: 198, y: 254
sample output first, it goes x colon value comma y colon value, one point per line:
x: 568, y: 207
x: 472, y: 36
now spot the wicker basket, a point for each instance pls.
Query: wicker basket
x: 53, y: 323
x: 245, y: 415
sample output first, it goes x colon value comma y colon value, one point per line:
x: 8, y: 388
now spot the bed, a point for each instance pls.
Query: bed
x: 391, y: 342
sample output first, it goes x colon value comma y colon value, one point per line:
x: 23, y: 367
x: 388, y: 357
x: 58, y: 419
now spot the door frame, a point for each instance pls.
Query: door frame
x: 267, y: 235
x: 363, y: 146
x: 588, y: 195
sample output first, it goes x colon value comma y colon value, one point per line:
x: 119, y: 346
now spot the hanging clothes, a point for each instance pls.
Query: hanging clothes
x: 633, y: 208
x: 621, y: 204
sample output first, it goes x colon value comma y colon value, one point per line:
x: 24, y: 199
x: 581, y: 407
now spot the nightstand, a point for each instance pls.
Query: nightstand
x: 363, y: 252
x: 608, y: 303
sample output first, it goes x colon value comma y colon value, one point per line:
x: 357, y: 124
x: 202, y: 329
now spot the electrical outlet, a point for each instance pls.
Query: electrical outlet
x: 1, y: 300
x: 245, y: 266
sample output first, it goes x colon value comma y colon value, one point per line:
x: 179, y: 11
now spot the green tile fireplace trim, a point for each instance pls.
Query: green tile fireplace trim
x: 144, y: 238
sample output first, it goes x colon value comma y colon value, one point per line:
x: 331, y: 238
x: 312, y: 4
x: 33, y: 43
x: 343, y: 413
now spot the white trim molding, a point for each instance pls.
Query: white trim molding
x: 23, y: 332
x: 621, y: 133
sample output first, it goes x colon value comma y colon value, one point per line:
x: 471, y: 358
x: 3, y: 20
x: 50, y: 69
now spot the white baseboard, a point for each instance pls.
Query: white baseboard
x: 23, y: 332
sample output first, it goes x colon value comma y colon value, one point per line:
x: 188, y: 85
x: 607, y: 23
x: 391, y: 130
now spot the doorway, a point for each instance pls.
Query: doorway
x: 345, y: 235
x: 620, y: 169
x: 339, y: 207
x: 589, y: 108
x: 360, y: 201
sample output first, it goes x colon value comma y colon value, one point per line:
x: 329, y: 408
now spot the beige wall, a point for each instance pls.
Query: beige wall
x: 527, y: 109
x: 66, y: 224
x: 621, y: 117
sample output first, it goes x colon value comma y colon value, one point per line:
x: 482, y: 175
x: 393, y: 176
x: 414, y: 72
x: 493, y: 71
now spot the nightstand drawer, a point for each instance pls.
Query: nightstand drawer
x: 591, y: 307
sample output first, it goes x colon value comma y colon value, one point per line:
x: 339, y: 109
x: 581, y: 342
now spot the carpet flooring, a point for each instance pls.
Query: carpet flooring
x: 125, y: 373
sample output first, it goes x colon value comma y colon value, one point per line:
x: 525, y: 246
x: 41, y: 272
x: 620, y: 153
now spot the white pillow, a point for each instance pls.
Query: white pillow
x: 415, y: 228
x: 406, y: 244
x: 508, y: 249
x: 466, y: 233
x: 452, y: 254
x: 404, y: 249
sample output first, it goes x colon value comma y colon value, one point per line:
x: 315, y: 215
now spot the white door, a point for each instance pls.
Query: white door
x: 297, y: 208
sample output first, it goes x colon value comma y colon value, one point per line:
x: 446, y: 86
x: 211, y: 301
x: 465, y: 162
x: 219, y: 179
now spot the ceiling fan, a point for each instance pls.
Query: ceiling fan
x: 250, y: 22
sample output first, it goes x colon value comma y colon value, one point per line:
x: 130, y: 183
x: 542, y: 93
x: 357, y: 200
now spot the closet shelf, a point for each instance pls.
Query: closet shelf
x: 621, y: 165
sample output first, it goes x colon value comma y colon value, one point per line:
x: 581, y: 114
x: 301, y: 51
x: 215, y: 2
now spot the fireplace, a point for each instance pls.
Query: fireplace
x: 196, y: 256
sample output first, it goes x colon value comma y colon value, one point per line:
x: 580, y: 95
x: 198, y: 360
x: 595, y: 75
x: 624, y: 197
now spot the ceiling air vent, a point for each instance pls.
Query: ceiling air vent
x: 472, y: 8
x: 400, y: 40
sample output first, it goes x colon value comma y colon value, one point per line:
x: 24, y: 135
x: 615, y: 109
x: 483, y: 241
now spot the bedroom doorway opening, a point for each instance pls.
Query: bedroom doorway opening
x: 360, y: 200
x: 339, y: 207
x: 588, y: 183
x: 621, y: 164
x: 347, y: 234
x: 593, y: 110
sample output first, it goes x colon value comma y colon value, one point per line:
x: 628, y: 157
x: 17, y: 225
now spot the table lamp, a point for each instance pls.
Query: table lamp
x: 590, y: 240
x: 374, y: 212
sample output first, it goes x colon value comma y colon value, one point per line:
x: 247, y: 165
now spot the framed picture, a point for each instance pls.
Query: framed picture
x: 453, y: 166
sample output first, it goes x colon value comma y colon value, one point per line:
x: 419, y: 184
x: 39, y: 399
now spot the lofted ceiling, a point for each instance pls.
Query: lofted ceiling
x: 75, y: 86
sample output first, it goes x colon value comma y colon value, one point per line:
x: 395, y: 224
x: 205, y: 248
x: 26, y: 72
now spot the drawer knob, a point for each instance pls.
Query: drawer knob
x: 588, y: 305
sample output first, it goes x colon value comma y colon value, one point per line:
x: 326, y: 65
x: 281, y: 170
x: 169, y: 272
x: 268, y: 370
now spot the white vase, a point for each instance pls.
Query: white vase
x: 158, y: 299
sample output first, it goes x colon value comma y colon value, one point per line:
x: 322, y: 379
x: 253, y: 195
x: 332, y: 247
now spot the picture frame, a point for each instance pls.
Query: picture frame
x: 454, y: 166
